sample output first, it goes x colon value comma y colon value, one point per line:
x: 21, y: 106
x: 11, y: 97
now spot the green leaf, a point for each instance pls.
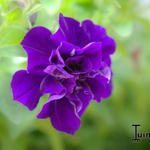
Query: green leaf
x: 4, y: 4
x: 32, y: 9
x: 11, y: 35
x: 12, y: 51
x: 52, y: 6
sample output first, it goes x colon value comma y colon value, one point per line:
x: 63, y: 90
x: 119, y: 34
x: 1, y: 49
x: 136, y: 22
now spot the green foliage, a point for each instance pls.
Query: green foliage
x: 104, y: 126
x: 6, y: 38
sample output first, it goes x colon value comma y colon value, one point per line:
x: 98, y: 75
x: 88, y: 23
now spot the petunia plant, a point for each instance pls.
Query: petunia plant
x: 72, y: 65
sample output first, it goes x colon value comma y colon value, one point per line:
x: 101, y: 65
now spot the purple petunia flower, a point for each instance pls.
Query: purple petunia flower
x: 73, y: 65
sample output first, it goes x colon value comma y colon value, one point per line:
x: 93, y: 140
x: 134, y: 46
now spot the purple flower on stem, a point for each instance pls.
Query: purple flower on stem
x: 73, y: 65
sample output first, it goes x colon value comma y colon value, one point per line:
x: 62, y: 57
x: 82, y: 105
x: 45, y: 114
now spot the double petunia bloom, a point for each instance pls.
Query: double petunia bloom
x: 73, y: 65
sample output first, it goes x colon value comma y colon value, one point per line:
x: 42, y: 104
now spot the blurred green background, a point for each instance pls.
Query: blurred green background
x: 105, y: 126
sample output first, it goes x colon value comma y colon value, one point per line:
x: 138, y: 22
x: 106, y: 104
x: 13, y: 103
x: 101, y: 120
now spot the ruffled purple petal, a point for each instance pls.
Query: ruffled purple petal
x: 69, y: 84
x: 80, y: 38
x: 107, y: 59
x: 58, y: 37
x: 94, y: 52
x: 74, y: 100
x: 81, y: 97
x: 105, y: 71
x: 56, y: 59
x: 50, y: 85
x: 85, y: 95
x: 67, y: 50
x: 63, y: 115
x: 38, y: 38
x: 108, y: 45
x: 38, y: 45
x: 98, y: 86
x: 78, y: 64
x: 57, y: 72
x: 94, y: 32
x: 37, y: 62
x: 108, y: 90
x: 69, y: 27
x: 26, y: 88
